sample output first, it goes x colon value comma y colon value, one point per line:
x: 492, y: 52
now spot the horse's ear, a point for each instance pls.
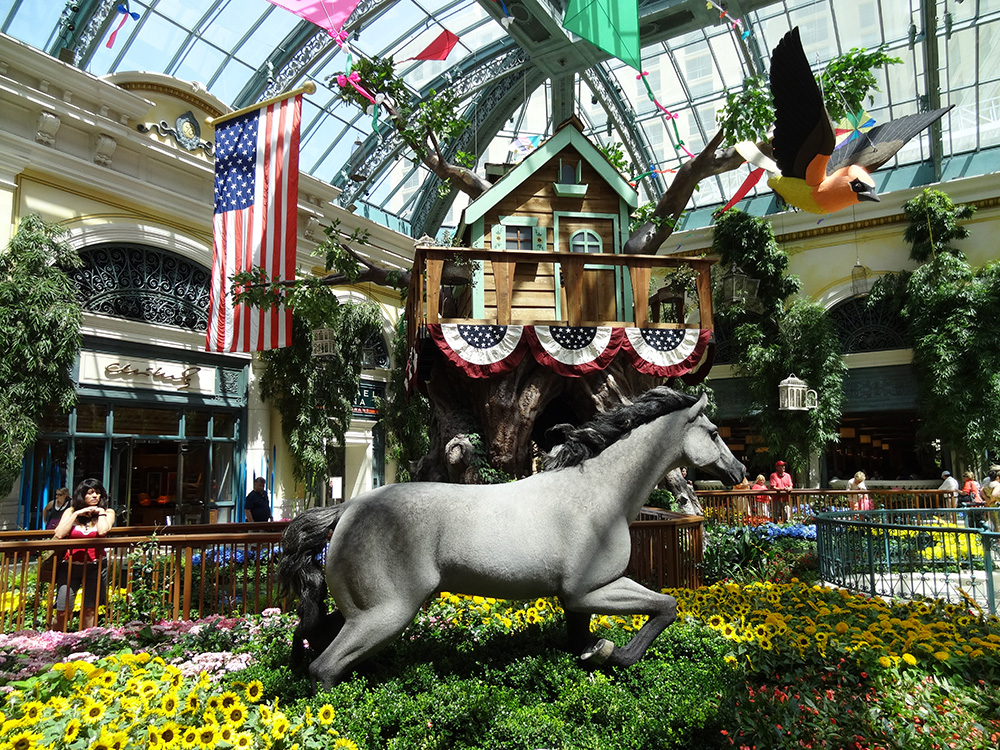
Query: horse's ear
x: 698, y: 407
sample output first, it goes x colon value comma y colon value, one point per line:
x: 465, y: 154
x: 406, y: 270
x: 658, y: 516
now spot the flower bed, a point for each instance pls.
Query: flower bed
x: 759, y: 665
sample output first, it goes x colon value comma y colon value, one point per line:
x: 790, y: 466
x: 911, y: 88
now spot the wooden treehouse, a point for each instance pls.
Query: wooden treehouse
x: 545, y: 260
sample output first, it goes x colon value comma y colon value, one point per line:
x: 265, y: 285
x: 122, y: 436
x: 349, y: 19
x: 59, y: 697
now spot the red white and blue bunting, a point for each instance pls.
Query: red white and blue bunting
x: 484, y: 351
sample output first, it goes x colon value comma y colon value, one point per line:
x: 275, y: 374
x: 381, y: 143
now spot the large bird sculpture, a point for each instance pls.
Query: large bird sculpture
x: 808, y: 171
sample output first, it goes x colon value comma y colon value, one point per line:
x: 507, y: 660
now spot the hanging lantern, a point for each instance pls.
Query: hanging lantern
x: 324, y: 343
x: 738, y: 288
x: 861, y: 283
x: 793, y: 395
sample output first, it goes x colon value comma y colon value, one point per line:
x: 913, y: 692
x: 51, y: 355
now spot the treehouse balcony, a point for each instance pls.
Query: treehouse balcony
x: 626, y: 302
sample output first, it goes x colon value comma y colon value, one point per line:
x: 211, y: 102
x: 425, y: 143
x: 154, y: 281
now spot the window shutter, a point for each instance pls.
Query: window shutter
x: 499, y: 241
x: 539, y: 239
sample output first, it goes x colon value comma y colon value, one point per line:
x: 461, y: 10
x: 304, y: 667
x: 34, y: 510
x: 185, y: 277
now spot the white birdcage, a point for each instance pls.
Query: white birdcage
x: 324, y: 343
x: 795, y: 395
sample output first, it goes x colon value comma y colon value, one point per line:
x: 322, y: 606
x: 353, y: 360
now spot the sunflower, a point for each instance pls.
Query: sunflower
x: 531, y: 616
x: 23, y: 741
x: 226, y: 734
x: 189, y: 737
x: 31, y: 712
x: 229, y: 699
x: 208, y: 736
x: 191, y: 703
x: 104, y: 741
x: 280, y: 726
x: 169, y: 703
x: 325, y: 714
x: 254, y: 691
x: 265, y: 714
x: 147, y: 689
x: 766, y: 643
x: 170, y: 734
x: 92, y: 712
x: 235, y: 715
x: 343, y: 742
x: 70, y: 731
x: 242, y: 740
x: 213, y: 703
x: 715, y: 622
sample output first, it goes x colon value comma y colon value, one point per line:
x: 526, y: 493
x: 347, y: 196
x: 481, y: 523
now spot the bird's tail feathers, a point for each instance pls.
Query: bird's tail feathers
x: 749, y: 151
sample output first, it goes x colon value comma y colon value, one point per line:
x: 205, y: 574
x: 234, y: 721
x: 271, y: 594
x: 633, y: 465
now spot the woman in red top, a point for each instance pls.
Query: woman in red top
x: 89, y: 517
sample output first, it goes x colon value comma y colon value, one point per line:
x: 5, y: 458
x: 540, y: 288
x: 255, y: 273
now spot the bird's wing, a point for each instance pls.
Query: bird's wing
x: 802, y: 127
x: 873, y: 149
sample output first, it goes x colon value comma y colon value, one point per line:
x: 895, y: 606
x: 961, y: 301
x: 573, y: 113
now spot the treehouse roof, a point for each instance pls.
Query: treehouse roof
x: 568, y: 134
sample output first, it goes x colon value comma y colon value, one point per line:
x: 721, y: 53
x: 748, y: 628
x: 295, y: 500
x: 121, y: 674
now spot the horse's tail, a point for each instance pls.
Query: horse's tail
x: 300, y: 572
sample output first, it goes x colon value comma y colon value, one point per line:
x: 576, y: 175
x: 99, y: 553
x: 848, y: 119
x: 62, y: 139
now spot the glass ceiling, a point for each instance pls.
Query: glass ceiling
x: 243, y: 50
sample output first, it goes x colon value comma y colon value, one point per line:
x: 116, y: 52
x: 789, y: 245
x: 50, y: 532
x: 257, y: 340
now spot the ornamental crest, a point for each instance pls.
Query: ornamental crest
x: 186, y: 132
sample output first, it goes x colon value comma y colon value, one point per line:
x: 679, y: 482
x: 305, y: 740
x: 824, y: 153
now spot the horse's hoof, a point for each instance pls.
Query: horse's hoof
x: 599, y: 653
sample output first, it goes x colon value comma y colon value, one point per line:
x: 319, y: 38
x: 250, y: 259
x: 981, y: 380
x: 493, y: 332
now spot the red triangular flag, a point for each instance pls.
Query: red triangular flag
x: 439, y: 49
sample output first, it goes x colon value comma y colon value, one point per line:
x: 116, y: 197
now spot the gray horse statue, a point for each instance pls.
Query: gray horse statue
x: 562, y: 532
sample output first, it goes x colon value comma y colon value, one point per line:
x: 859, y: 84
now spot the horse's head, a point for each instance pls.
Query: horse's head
x: 704, y: 448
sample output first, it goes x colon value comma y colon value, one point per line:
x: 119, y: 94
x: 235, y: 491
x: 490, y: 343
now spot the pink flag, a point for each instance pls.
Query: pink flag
x: 439, y: 49
x: 327, y: 14
x: 256, y: 207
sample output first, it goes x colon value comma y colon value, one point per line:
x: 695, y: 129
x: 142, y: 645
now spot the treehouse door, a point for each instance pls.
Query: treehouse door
x: 588, y: 235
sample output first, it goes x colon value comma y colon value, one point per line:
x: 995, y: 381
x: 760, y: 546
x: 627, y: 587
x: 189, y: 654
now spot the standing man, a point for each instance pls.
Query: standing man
x: 781, y: 481
x: 257, y: 506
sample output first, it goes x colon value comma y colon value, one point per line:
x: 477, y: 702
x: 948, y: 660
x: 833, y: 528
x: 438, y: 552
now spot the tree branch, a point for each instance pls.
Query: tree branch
x: 648, y: 238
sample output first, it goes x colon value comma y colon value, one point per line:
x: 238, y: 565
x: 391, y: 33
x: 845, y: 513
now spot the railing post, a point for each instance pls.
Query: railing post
x: 640, y: 294
x: 504, y: 281
x: 988, y: 538
x: 187, y: 583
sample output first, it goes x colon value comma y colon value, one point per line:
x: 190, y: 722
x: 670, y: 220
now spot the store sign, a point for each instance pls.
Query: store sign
x: 364, y: 402
x: 97, y: 368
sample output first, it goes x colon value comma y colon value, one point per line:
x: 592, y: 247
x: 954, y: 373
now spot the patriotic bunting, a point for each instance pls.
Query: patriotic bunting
x: 484, y: 351
x: 665, y: 352
x: 481, y: 351
x: 574, y: 351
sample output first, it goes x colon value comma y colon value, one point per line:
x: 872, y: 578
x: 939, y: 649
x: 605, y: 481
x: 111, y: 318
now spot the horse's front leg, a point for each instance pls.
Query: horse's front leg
x: 624, y: 597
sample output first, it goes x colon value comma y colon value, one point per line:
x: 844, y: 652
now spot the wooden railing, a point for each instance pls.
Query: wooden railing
x: 424, y: 297
x: 174, y: 572
x: 666, y: 550
x: 767, y: 505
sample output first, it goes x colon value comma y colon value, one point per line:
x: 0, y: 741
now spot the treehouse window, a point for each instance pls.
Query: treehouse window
x: 567, y: 174
x: 585, y: 241
x: 518, y: 238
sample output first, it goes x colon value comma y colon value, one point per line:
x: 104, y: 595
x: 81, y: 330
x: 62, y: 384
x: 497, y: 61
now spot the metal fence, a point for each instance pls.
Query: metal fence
x: 942, y: 553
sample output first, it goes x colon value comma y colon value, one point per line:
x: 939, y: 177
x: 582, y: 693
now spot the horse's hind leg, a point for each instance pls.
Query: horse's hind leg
x: 365, y: 632
x: 625, y: 597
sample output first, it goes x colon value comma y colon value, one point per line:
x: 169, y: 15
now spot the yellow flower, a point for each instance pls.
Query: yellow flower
x: 841, y: 627
x: 255, y: 691
x: 885, y: 661
x: 343, y: 742
x: 92, y: 712
x: 229, y: 699
x: 942, y: 655
x: 70, y: 731
x: 189, y: 737
x: 31, y: 712
x: 909, y: 659
x: 242, y: 741
x: 325, y: 714
x: 169, y: 703
x: 23, y: 741
x: 280, y: 726
x: 235, y: 715
x: 208, y: 736
x: 191, y: 703
x: 213, y: 703
x: 104, y: 741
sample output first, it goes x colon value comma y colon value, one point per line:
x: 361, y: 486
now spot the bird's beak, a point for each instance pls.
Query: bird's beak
x: 869, y: 195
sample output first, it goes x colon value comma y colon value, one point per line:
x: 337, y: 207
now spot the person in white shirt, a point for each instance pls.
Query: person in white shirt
x: 950, y: 484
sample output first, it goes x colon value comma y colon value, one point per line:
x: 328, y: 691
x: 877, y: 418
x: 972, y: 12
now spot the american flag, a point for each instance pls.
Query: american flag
x: 256, y: 205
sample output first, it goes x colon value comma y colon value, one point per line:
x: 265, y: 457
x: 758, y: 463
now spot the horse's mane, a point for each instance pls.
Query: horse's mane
x: 580, y: 443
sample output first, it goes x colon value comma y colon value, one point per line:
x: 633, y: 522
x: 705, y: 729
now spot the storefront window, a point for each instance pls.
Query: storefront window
x: 130, y: 420
x: 91, y: 418
x: 196, y: 424
x: 223, y: 425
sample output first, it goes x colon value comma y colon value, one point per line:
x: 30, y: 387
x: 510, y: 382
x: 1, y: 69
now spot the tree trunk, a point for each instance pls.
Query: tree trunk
x: 499, y: 422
